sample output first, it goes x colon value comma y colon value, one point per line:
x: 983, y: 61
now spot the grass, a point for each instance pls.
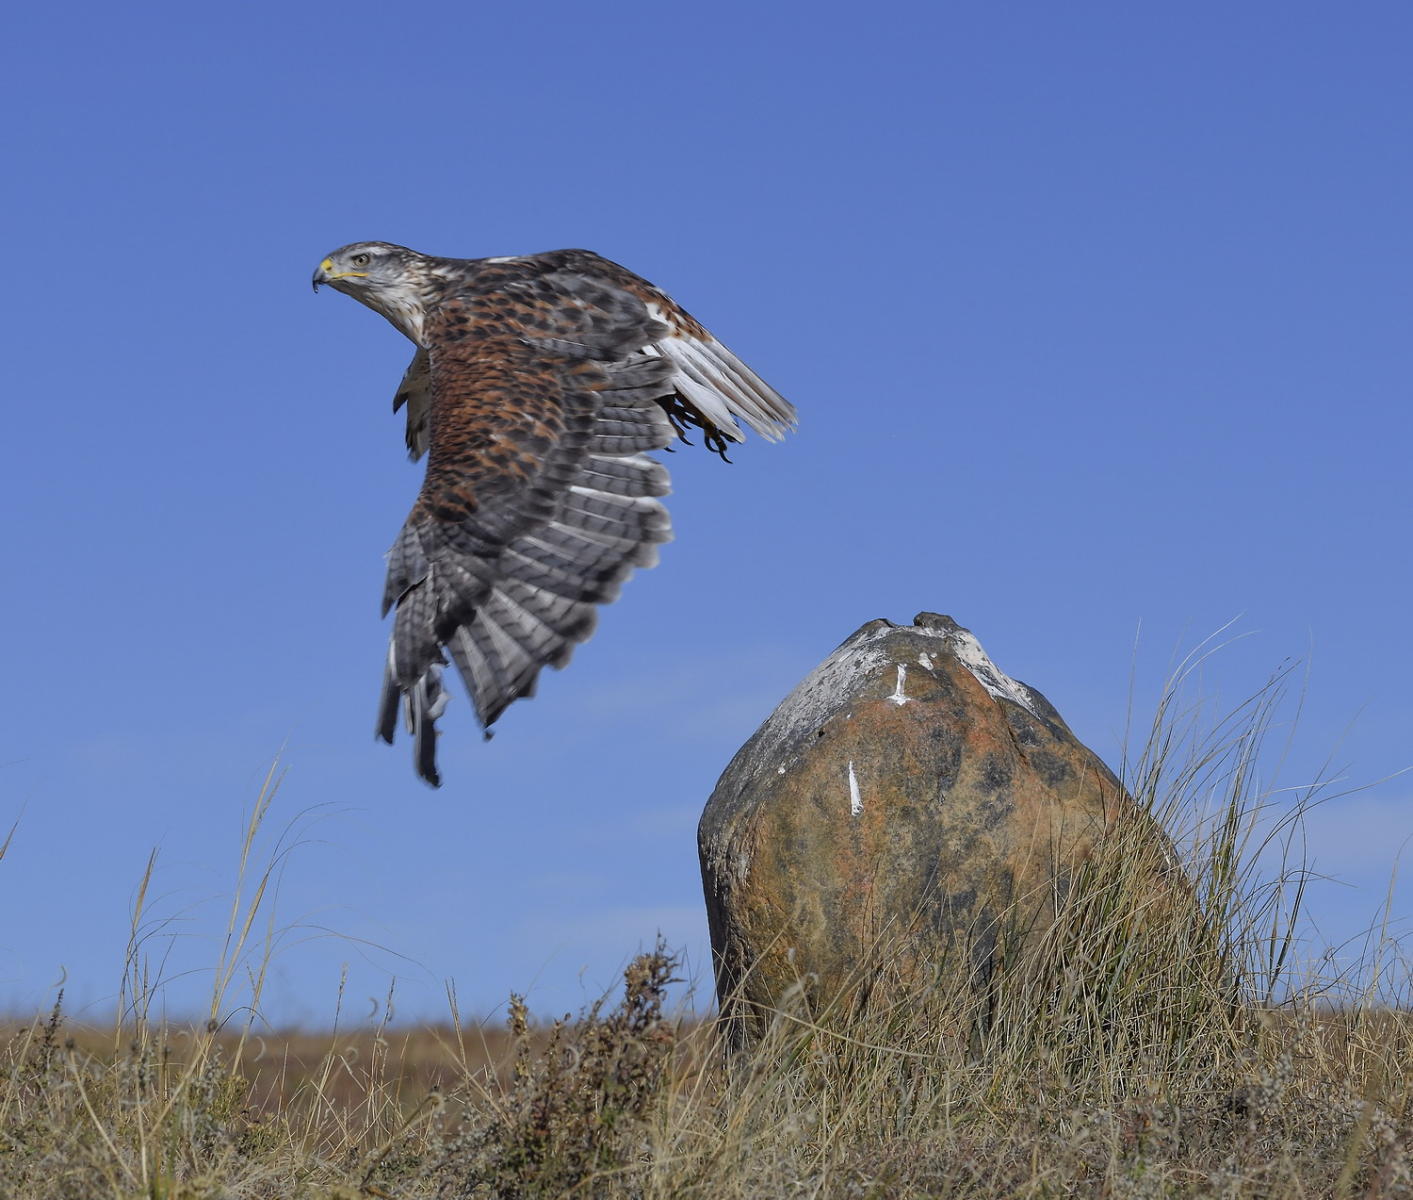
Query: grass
x: 1144, y: 1049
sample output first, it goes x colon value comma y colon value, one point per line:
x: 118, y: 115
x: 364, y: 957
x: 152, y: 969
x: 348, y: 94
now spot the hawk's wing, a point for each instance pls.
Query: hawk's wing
x: 537, y: 503
x: 415, y: 391
x: 710, y: 388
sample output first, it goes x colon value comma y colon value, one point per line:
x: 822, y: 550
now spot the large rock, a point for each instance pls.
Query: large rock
x: 908, y: 795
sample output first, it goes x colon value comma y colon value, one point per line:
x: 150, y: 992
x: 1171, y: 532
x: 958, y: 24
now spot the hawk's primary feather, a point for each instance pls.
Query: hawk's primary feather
x: 537, y: 386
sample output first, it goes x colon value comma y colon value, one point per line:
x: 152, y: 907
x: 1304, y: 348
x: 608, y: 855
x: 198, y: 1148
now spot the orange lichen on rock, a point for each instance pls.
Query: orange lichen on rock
x: 906, y: 802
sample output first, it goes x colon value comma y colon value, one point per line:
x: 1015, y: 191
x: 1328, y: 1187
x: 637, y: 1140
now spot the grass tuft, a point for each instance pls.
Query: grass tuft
x: 1156, y: 1042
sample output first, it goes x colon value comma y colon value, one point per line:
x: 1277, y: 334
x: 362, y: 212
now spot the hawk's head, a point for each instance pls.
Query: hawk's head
x: 392, y: 280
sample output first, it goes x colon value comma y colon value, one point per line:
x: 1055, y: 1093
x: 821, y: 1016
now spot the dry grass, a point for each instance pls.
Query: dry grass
x: 1144, y: 1050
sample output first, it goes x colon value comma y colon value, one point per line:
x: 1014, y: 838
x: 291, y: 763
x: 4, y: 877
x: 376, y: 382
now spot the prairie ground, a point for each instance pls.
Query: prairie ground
x: 629, y: 1102
x: 1139, y: 1049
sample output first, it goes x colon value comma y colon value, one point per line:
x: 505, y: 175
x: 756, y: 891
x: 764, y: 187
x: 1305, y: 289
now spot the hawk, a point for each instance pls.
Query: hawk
x: 537, y: 385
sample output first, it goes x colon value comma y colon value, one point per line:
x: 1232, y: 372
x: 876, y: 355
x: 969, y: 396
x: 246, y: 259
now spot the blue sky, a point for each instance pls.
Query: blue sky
x: 1096, y: 316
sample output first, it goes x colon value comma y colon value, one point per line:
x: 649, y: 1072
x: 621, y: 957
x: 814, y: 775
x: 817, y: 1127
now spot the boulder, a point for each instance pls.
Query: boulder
x: 908, y: 794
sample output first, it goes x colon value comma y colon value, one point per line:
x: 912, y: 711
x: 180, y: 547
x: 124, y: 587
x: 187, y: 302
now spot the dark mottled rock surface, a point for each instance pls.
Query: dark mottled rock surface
x: 906, y: 794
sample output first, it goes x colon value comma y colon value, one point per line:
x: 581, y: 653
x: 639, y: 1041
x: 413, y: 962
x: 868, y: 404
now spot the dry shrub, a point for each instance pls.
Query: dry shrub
x: 578, y: 1107
x: 1147, y: 1046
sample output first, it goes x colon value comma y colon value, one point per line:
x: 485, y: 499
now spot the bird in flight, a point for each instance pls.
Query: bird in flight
x: 537, y: 384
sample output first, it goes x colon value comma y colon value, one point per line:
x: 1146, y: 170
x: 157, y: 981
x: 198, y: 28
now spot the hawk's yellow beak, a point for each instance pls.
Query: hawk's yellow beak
x: 327, y: 274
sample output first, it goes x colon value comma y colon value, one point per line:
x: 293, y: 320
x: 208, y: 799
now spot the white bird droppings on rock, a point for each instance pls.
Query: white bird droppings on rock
x: 855, y: 796
x: 813, y: 702
x: 900, y: 697
x: 970, y: 654
x: 803, y: 714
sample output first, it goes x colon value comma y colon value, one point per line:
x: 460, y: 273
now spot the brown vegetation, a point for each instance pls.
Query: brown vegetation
x: 1140, y: 1051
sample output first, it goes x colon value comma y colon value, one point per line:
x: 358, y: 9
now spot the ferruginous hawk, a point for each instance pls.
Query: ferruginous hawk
x: 537, y: 383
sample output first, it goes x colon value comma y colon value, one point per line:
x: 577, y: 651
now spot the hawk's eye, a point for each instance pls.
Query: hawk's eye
x: 359, y: 260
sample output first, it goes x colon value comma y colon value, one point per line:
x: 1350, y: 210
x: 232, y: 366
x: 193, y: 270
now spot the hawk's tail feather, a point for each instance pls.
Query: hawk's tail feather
x: 495, y: 665
x: 720, y: 387
x: 541, y: 565
x: 613, y: 519
x: 572, y: 620
x: 625, y: 475
x: 628, y: 418
x: 500, y: 653
x: 624, y: 441
x: 389, y: 702
x: 414, y: 638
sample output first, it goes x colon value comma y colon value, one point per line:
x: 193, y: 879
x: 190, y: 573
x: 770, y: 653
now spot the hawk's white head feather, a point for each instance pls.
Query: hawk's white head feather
x: 389, y: 279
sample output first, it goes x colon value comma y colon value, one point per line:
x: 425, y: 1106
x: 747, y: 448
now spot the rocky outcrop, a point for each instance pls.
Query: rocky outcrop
x: 908, y: 794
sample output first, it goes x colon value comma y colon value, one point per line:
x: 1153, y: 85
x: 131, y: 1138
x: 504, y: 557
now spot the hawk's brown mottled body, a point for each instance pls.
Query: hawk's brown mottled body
x: 537, y: 384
